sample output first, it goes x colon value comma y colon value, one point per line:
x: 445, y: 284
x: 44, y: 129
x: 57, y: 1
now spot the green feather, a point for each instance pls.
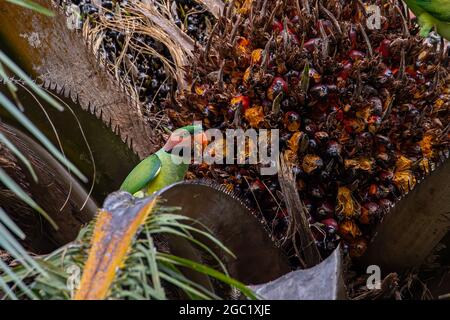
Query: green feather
x: 142, y: 174
x: 443, y: 29
x: 432, y: 13
x: 439, y: 9
x: 154, y: 173
x: 171, y: 172
x: 157, y: 171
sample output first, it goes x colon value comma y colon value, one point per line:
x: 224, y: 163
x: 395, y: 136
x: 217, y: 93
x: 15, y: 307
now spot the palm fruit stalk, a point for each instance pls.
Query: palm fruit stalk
x: 363, y: 113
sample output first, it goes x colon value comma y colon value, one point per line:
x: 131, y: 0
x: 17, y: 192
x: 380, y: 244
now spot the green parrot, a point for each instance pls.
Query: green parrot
x: 160, y: 170
x: 432, y: 13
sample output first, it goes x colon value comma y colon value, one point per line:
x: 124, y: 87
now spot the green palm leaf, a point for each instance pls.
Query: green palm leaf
x: 9, y: 279
x: 146, y: 270
x: 33, y: 6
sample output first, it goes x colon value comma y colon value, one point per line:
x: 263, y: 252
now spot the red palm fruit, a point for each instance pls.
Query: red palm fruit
x: 210, y: 111
x: 356, y: 55
x: 376, y: 105
x: 349, y: 125
x: 325, y: 210
x: 331, y: 225
x: 365, y: 218
x: 373, y: 190
x: 395, y: 71
x: 339, y: 113
x: 311, y: 163
x: 375, y: 120
x: 240, y: 100
x: 345, y: 72
x: 386, y: 175
x: 369, y: 213
x: 243, y: 45
x: 385, y: 48
x: 387, y: 73
x: 295, y: 19
x: 278, y: 86
x: 256, y: 56
x: 277, y: 26
x: 314, y: 75
x: 310, y: 128
x: 312, y: 44
x: 292, y: 121
x: 316, y: 191
x: 373, y: 208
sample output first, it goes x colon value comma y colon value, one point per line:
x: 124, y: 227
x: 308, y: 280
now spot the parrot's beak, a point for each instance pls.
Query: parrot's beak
x: 114, y: 231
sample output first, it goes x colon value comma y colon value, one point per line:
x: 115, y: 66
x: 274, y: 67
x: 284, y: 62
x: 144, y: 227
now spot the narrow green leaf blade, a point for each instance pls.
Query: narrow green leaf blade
x: 22, y: 195
x: 7, y: 221
x: 33, y: 6
x: 22, y: 75
x: 18, y: 154
x: 9, y: 106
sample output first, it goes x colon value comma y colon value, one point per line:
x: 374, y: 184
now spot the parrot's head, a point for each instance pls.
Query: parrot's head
x: 188, y: 135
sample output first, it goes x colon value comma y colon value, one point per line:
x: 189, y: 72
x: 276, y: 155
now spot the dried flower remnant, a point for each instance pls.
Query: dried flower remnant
x: 361, y: 163
x: 346, y: 207
x: 311, y: 163
x: 349, y: 230
x: 254, y: 116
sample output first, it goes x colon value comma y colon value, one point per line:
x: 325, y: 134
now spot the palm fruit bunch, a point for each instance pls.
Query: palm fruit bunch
x: 193, y: 19
x: 137, y: 59
x: 363, y: 112
x: 126, y: 56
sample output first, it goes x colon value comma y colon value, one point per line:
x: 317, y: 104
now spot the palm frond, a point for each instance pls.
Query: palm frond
x: 9, y: 232
x: 147, y: 271
x: 20, y: 117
